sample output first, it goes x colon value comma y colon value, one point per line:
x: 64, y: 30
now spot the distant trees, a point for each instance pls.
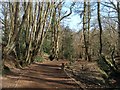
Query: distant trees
x: 67, y: 49
x: 87, y: 12
x: 84, y: 11
x: 115, y: 8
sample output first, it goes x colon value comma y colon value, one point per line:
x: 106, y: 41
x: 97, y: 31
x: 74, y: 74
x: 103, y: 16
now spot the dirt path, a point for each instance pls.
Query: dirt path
x: 44, y: 76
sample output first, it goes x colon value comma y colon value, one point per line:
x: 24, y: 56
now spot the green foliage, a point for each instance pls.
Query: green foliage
x: 38, y: 59
x: 67, y: 49
x: 46, y: 46
x: 0, y: 73
x: 22, y: 46
x: 5, y: 70
x: 106, y: 64
x: 102, y: 64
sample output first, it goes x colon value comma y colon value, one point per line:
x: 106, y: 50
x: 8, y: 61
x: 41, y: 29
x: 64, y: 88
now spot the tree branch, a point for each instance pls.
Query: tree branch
x: 69, y: 12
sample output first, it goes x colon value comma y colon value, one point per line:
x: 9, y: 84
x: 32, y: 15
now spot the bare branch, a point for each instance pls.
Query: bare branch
x: 69, y: 12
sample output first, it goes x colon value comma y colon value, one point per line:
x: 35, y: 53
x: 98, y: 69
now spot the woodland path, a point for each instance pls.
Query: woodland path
x: 43, y: 76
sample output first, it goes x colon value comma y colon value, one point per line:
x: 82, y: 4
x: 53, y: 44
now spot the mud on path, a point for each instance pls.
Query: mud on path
x: 43, y: 76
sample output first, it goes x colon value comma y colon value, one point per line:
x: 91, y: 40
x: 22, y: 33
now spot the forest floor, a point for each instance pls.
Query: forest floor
x: 48, y: 75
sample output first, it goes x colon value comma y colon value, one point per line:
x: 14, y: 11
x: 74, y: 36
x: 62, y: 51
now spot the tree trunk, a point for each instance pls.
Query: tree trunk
x: 100, y: 27
x: 118, y: 8
x: 85, y: 30
x: 89, y: 17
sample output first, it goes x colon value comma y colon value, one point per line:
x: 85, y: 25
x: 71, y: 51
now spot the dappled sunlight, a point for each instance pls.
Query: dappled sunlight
x: 61, y: 44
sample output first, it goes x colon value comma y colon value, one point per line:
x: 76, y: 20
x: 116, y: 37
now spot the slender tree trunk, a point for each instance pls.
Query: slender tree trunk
x: 58, y: 32
x: 30, y: 25
x: 100, y: 27
x: 48, y: 25
x: 6, y: 33
x: 15, y: 34
x: 53, y: 34
x: 118, y: 10
x: 85, y: 30
x: 89, y: 17
x: 16, y: 30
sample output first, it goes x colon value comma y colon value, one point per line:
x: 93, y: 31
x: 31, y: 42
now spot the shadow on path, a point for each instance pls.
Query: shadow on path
x: 45, y: 75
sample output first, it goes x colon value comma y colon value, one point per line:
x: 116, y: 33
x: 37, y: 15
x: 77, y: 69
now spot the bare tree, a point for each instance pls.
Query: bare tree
x: 100, y: 27
x: 88, y: 41
x: 85, y: 29
x: 118, y: 12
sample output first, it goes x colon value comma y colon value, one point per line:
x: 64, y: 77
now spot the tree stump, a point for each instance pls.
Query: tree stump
x: 62, y: 66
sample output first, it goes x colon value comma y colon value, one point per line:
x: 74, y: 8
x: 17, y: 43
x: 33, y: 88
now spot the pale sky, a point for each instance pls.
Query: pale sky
x: 74, y: 19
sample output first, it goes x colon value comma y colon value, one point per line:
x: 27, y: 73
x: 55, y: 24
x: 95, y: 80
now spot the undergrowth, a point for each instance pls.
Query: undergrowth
x: 39, y: 59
